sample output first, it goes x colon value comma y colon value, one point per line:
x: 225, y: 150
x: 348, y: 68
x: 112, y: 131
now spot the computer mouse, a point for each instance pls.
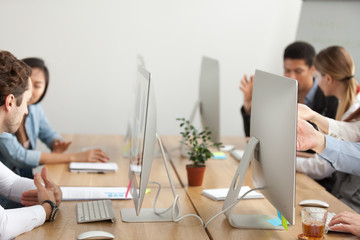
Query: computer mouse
x: 95, y: 235
x: 313, y: 203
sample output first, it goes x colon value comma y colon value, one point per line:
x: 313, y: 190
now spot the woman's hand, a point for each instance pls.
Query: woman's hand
x: 59, y: 146
x: 304, y: 112
x: 93, y: 155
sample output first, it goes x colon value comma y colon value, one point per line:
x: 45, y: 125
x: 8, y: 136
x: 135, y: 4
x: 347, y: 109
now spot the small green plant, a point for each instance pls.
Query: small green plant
x: 198, y: 142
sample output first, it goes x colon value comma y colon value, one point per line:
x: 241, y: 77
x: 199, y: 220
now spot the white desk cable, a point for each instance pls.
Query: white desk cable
x: 172, y: 207
x: 156, y: 197
x: 185, y: 216
x: 232, y: 205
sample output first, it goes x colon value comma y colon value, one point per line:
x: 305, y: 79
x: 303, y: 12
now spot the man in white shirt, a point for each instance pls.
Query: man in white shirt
x: 41, y: 201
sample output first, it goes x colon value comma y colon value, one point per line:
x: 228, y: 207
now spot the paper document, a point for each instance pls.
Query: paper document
x: 93, y: 167
x: 93, y: 193
x: 135, y: 168
x: 219, y: 194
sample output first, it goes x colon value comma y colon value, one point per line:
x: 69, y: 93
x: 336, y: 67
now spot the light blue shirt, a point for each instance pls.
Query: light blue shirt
x: 344, y: 156
x: 310, y: 96
x: 13, y: 154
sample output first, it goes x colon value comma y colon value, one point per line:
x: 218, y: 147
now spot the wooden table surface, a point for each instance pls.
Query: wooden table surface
x: 65, y: 226
x: 113, y: 145
x: 219, y: 174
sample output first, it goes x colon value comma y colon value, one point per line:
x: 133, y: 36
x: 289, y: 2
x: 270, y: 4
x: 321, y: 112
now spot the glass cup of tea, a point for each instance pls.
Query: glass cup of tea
x: 313, y: 222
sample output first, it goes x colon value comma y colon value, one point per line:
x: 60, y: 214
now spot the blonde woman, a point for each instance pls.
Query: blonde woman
x: 335, y: 69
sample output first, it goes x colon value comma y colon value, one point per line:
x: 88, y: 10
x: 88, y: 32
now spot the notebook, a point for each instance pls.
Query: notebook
x: 219, y: 194
x: 93, y: 167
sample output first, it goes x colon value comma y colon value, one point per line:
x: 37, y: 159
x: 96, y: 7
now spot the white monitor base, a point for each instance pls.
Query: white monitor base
x: 253, y: 221
x: 146, y: 215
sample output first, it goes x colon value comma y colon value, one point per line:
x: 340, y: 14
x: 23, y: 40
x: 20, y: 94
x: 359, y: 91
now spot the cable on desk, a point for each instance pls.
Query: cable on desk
x: 172, y: 207
x: 232, y: 205
x: 185, y: 216
x: 156, y: 197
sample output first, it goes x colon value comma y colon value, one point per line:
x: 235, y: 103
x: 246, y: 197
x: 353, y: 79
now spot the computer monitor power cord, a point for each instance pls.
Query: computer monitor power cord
x: 172, y: 207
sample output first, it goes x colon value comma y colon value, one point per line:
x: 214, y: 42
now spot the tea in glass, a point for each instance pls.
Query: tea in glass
x: 313, y: 222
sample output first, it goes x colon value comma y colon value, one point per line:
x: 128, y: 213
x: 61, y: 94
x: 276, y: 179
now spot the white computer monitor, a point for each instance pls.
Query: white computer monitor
x: 209, y: 98
x: 271, y: 149
x: 143, y: 138
x: 127, y: 139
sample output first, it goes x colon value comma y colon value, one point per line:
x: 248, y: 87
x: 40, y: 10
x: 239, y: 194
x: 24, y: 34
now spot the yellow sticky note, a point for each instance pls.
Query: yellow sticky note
x: 284, y: 222
x: 148, y: 190
x: 126, y: 148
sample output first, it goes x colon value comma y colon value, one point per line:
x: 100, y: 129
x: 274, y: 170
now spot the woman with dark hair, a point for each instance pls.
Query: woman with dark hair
x: 17, y: 151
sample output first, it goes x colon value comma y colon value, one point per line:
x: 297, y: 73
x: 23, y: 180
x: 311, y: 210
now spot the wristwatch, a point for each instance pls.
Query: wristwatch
x: 53, y: 211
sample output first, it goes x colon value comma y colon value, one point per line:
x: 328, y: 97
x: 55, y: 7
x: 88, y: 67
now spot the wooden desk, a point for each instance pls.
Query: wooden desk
x: 219, y: 174
x: 114, y: 145
x: 65, y: 226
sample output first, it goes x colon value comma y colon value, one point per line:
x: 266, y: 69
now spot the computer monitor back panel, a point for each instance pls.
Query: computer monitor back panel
x: 209, y: 96
x: 143, y: 136
x: 273, y: 123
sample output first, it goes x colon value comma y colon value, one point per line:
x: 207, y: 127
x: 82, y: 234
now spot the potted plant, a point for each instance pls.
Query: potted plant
x: 197, y: 144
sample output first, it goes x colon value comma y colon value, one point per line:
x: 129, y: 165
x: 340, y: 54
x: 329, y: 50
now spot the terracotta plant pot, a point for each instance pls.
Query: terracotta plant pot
x: 195, y: 174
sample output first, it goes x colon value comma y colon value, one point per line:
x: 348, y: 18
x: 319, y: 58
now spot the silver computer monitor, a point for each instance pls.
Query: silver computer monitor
x: 271, y: 149
x: 209, y: 96
x: 127, y: 139
x: 143, y: 138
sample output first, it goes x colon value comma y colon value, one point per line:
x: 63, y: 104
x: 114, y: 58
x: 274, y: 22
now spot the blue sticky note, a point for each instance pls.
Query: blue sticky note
x: 279, y: 214
x: 275, y: 221
x: 218, y: 155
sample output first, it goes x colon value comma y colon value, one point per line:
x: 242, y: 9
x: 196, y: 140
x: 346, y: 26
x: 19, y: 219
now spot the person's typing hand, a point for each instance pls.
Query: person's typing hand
x: 246, y: 86
x: 93, y: 155
x: 34, y: 197
x: 347, y: 222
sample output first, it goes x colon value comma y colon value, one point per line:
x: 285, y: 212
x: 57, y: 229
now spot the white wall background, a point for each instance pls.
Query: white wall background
x: 90, y: 47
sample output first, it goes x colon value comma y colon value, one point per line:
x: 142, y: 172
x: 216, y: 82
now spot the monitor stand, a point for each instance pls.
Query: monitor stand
x: 245, y: 221
x: 148, y: 214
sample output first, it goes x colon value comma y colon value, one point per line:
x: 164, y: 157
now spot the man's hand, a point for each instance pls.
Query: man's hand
x: 93, y: 155
x: 308, y: 137
x: 59, y: 146
x: 246, y: 86
x: 31, y: 197
x: 350, y: 222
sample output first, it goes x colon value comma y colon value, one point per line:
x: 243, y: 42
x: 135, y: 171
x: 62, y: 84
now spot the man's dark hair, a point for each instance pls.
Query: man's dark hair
x: 300, y: 50
x: 14, y: 77
x: 40, y: 64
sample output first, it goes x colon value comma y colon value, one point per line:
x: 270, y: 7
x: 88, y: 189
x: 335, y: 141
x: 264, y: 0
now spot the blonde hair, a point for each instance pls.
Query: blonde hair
x: 338, y: 63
